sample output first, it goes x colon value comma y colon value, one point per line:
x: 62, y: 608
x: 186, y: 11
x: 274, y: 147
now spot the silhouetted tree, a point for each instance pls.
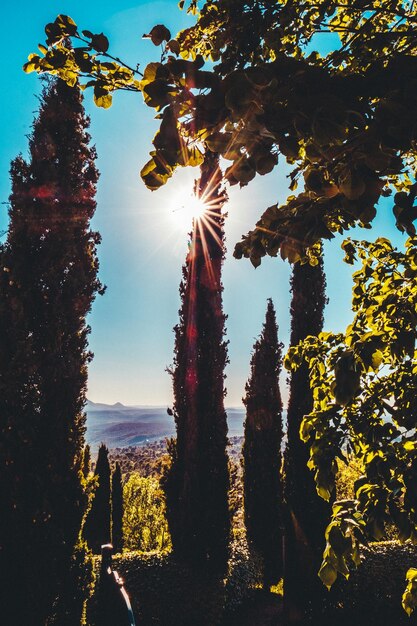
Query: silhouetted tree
x: 196, y: 485
x: 97, y: 525
x: 117, y: 509
x: 48, y: 281
x: 262, y: 479
x: 308, y: 514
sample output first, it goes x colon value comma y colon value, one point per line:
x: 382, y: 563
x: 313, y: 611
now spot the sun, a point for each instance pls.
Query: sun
x: 191, y: 208
x: 187, y: 212
x: 185, y: 208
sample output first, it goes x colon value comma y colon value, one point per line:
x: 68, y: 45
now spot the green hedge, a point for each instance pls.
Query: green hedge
x: 165, y: 592
x: 372, y: 595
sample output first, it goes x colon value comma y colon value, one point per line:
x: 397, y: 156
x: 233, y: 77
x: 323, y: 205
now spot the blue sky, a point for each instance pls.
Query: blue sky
x: 144, y: 240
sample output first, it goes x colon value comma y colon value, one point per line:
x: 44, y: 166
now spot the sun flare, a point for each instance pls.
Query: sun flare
x: 189, y: 213
x: 186, y: 207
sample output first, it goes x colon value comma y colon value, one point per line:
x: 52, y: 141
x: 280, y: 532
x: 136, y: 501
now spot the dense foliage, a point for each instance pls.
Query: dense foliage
x: 117, y: 508
x: 262, y: 451
x: 342, y: 119
x: 196, y: 484
x: 166, y: 592
x: 307, y: 514
x: 97, y: 527
x: 48, y: 281
x: 148, y: 460
x: 364, y: 389
x: 144, y: 521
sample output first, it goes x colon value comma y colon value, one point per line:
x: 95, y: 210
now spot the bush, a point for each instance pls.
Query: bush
x: 145, y: 525
x: 165, y: 592
x: 372, y: 595
x: 346, y: 477
x: 345, y: 480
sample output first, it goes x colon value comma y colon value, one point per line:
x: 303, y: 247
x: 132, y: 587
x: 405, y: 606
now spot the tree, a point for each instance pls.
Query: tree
x: 307, y: 513
x: 364, y: 388
x: 197, y: 482
x: 48, y: 281
x: 97, y: 525
x: 117, y: 509
x: 144, y: 518
x: 262, y: 451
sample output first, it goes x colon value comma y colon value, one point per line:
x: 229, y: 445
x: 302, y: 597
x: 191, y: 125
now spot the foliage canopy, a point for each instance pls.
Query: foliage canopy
x: 346, y: 120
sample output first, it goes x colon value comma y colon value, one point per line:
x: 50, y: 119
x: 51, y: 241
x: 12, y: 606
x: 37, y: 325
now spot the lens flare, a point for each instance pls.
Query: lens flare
x: 189, y: 208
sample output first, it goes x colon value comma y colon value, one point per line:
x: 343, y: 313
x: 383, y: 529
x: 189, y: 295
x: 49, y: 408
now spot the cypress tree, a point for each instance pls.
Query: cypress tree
x: 197, y: 482
x: 48, y: 281
x: 97, y: 525
x: 262, y: 482
x: 307, y: 513
x: 117, y: 509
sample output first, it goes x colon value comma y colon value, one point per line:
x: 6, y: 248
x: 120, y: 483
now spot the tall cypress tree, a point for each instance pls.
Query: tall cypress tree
x: 117, y: 509
x: 48, y: 281
x: 307, y: 513
x: 98, y: 523
x: 197, y: 483
x: 262, y: 479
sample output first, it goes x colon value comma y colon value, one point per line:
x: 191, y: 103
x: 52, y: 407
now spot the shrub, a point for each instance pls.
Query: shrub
x: 144, y: 520
x: 347, y: 474
x: 372, y: 595
x: 165, y: 592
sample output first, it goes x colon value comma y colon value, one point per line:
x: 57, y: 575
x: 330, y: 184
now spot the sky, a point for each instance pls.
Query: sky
x: 144, y: 234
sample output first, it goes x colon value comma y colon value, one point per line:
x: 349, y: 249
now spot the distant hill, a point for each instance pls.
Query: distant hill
x: 120, y: 426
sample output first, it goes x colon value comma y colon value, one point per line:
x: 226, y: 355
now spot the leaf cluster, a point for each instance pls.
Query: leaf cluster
x: 346, y: 121
x: 364, y: 387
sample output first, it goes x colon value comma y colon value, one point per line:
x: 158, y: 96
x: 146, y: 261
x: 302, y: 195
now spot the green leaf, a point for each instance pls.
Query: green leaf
x: 102, y: 98
x: 157, y: 93
x: 336, y: 539
x: 377, y: 358
x: 194, y: 157
x: 33, y: 63
x: 158, y: 34
x: 219, y: 142
x: 411, y: 574
x: 67, y: 24
x: 351, y: 184
x: 307, y: 426
x: 265, y: 164
x: 409, y: 599
x: 327, y: 574
x: 100, y: 42
x: 173, y: 46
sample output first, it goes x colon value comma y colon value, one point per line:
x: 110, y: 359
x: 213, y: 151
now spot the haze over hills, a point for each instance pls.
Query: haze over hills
x: 120, y: 426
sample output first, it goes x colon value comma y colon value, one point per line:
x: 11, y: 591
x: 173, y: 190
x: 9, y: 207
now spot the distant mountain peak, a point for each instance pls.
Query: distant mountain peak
x: 118, y: 405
